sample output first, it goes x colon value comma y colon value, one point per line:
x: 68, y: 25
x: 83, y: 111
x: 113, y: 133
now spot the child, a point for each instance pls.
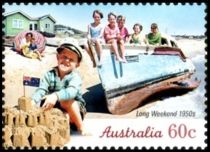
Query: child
x: 33, y: 46
x: 29, y: 48
x: 33, y: 50
x: 154, y: 38
x: 95, y: 35
x: 137, y: 37
x: 62, y: 86
x: 26, y: 41
x: 112, y: 36
x: 123, y: 30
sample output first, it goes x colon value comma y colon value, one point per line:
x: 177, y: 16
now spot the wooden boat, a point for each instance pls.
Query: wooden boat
x: 148, y: 70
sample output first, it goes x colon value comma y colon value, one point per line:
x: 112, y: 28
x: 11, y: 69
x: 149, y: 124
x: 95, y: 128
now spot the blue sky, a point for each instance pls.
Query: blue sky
x: 172, y: 19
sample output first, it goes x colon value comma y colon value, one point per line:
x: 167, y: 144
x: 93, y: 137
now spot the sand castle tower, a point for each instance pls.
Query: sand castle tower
x: 28, y: 126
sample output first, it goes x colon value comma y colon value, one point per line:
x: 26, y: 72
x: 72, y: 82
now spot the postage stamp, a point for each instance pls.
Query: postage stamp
x: 87, y: 75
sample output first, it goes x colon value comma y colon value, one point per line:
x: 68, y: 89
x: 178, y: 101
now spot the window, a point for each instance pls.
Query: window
x: 17, y: 23
x: 47, y: 26
x: 31, y: 27
x: 35, y: 27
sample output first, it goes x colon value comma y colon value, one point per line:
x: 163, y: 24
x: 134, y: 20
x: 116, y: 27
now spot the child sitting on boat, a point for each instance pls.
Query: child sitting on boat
x: 137, y: 37
x: 154, y: 38
x: 95, y: 36
x: 123, y: 30
x: 112, y: 36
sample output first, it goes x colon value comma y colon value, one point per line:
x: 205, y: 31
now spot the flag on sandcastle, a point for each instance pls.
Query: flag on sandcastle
x: 31, y: 81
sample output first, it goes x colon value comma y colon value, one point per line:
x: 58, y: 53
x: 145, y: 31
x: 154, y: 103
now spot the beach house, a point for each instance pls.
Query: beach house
x: 18, y: 21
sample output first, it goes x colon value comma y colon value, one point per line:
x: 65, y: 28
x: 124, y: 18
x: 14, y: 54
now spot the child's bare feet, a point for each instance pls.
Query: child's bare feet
x: 84, y: 132
x: 99, y: 63
x: 124, y: 60
x: 94, y: 64
x: 119, y: 59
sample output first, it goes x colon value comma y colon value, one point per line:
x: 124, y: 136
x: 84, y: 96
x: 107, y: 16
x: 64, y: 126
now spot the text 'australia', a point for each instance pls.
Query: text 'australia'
x: 148, y: 132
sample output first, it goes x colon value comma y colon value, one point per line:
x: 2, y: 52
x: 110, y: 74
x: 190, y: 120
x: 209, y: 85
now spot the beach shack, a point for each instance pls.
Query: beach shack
x: 18, y: 21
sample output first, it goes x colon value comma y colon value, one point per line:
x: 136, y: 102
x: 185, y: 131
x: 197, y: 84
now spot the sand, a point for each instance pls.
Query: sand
x: 16, y: 66
x: 192, y: 47
x: 30, y: 126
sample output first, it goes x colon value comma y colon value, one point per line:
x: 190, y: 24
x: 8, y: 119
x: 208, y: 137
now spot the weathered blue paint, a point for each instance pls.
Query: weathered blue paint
x: 141, y: 69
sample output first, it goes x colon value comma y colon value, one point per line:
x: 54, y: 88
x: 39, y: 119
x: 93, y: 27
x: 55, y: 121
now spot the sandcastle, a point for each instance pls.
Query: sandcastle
x: 28, y: 126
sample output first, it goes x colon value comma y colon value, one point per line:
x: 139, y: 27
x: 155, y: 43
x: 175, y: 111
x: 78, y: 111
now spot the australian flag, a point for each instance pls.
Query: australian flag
x: 31, y: 81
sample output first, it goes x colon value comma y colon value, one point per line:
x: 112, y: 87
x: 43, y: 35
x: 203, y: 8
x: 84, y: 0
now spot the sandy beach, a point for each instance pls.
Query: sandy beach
x: 17, y: 66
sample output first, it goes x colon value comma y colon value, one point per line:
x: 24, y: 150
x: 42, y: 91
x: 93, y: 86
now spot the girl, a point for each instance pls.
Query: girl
x: 95, y: 35
x: 112, y: 36
x: 137, y: 37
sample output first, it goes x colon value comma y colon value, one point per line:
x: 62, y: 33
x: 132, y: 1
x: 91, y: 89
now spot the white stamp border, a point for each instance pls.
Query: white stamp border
x: 135, y: 147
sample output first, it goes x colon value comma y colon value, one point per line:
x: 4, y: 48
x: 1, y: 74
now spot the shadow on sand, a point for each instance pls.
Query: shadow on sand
x: 96, y: 102
x: 95, y: 99
x: 164, y: 95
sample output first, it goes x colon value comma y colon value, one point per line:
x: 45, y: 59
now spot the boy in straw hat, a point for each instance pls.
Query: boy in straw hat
x: 61, y: 86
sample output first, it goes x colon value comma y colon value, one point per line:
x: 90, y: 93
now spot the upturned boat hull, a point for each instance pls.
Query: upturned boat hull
x: 148, y: 70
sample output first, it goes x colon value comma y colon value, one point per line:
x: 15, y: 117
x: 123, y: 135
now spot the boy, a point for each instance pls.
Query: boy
x: 154, y: 38
x: 62, y: 86
x: 123, y: 30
